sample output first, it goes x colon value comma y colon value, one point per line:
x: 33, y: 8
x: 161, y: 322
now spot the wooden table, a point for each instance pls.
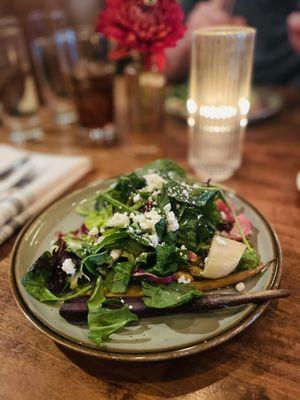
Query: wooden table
x: 262, y: 363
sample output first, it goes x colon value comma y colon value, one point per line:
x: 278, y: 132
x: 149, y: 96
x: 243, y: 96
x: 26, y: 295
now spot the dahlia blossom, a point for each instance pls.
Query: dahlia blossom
x: 146, y: 26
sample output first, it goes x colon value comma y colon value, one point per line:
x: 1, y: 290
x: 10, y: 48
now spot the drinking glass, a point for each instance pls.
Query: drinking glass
x: 218, y: 102
x: 49, y: 32
x: 17, y: 89
x: 92, y: 78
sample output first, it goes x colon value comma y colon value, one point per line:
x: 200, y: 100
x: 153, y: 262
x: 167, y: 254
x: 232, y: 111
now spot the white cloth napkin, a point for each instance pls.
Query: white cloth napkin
x: 30, y: 181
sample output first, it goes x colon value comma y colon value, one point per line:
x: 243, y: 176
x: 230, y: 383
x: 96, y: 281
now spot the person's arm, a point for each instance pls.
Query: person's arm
x: 204, y: 14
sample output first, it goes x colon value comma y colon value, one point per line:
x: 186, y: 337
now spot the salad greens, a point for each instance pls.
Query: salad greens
x: 151, y: 228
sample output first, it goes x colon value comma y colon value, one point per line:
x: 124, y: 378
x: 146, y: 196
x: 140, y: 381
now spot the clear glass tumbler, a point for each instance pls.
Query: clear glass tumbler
x: 17, y: 89
x: 92, y: 79
x: 48, y: 33
x: 218, y: 102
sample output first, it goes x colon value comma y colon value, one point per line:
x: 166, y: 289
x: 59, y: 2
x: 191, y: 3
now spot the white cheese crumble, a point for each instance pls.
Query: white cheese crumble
x: 69, y: 267
x: 154, y: 239
x: 240, y: 286
x: 136, y: 198
x: 184, y: 280
x: 220, y: 240
x: 167, y: 208
x: 147, y: 220
x: 115, y: 254
x: 130, y: 307
x: 119, y: 220
x: 183, y: 247
x: 154, y: 181
x: 94, y: 231
x: 173, y: 224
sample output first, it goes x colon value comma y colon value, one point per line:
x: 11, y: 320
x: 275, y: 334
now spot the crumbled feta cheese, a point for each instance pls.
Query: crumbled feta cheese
x: 119, y: 220
x: 167, y: 208
x: 94, y: 231
x: 154, y: 239
x: 136, y: 198
x: 183, y: 247
x: 115, y: 254
x: 183, y: 279
x: 154, y: 181
x: 68, y: 266
x: 220, y: 240
x: 130, y: 307
x: 147, y: 220
x: 240, y: 286
x: 173, y: 224
x: 223, y: 216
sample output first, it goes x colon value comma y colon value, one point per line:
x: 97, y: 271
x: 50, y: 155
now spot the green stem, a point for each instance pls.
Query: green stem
x: 235, y: 219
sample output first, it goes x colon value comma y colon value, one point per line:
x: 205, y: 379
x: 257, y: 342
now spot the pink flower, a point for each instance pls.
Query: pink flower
x: 147, y: 26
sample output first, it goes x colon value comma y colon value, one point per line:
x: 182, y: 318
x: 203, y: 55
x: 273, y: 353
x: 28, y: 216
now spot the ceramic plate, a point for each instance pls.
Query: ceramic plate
x: 265, y: 103
x: 153, y: 339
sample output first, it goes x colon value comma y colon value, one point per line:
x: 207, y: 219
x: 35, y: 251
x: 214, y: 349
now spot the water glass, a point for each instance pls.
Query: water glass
x: 49, y: 32
x: 218, y: 102
x: 17, y: 89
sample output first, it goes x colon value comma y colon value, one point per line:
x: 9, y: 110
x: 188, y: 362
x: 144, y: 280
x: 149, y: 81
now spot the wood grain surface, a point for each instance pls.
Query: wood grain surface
x: 262, y: 363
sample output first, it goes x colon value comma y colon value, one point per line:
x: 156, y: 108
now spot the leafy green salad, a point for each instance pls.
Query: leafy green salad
x: 154, y: 234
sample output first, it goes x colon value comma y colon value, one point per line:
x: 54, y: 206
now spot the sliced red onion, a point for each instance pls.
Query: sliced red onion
x: 222, y: 207
x: 154, y: 278
x: 84, y: 229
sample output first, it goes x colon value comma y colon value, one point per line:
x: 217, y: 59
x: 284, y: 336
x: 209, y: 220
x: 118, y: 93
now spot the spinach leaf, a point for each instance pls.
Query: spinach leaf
x: 168, y: 259
x: 45, y: 280
x: 99, y: 218
x: 193, y: 228
x: 170, y: 295
x: 126, y: 185
x: 161, y: 228
x: 119, y: 277
x: 250, y: 259
x: 163, y: 166
x: 104, y: 322
x: 101, y: 321
x: 194, y: 196
x: 94, y: 261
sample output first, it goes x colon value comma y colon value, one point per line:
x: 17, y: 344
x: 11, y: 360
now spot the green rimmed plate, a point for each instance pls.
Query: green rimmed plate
x: 154, y: 339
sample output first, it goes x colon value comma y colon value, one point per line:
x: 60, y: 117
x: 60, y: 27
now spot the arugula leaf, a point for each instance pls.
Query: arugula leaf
x: 119, y: 277
x: 250, y: 259
x: 101, y: 321
x: 170, y: 295
x: 168, y: 259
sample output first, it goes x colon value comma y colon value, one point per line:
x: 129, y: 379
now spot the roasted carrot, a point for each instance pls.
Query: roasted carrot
x: 203, y: 285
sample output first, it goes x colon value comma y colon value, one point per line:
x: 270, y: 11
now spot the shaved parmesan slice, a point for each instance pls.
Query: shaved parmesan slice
x: 223, y: 257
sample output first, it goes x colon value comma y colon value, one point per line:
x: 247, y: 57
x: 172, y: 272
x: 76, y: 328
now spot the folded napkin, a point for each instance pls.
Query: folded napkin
x: 30, y: 181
